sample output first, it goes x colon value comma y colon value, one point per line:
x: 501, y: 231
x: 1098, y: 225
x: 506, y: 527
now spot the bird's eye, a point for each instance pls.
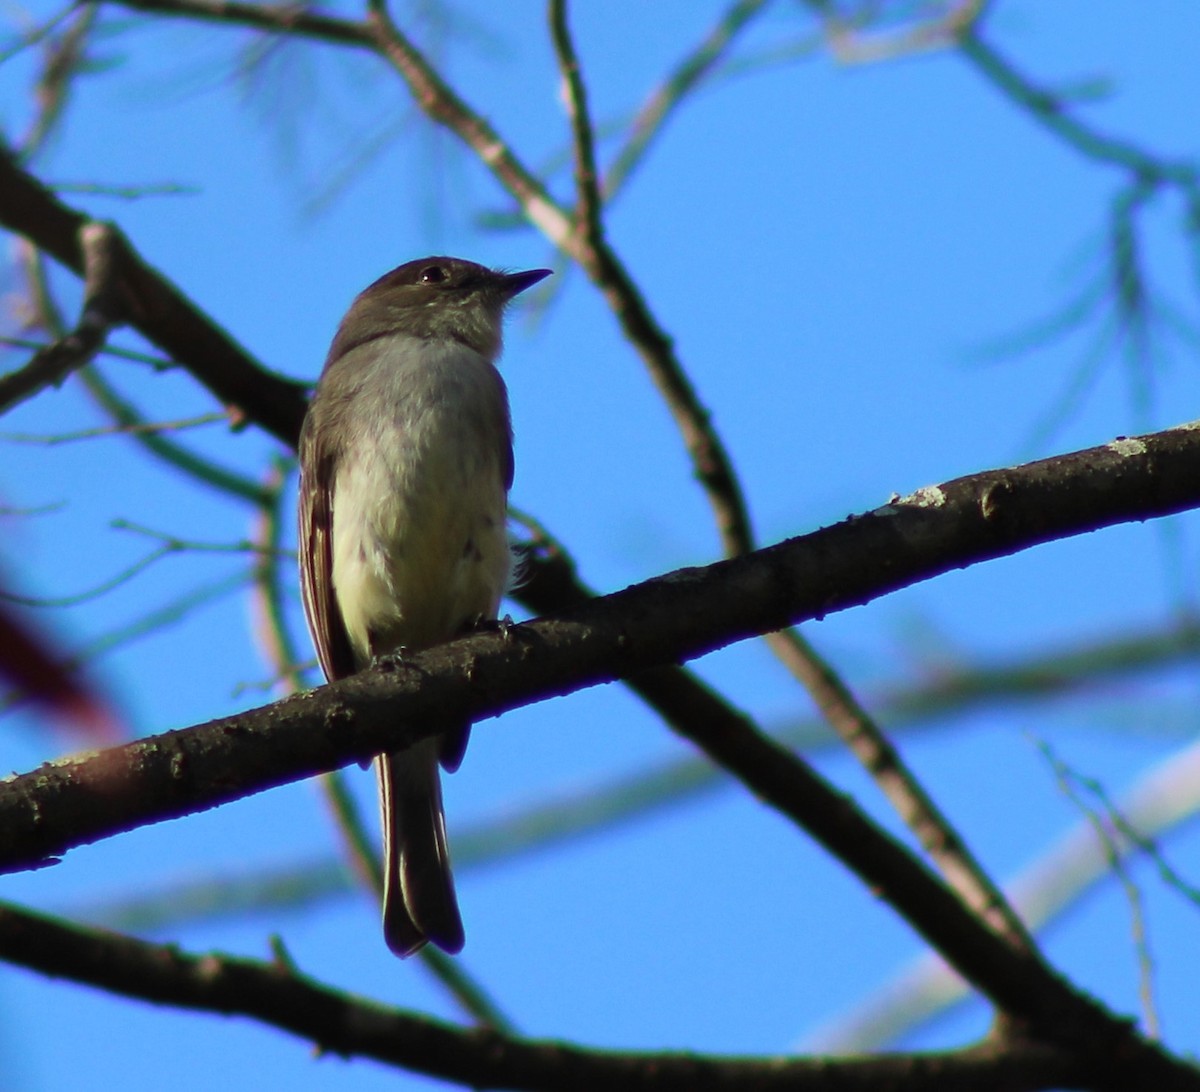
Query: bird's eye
x: 433, y: 274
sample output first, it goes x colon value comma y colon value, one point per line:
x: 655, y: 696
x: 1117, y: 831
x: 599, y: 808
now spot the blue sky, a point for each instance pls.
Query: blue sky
x: 831, y: 247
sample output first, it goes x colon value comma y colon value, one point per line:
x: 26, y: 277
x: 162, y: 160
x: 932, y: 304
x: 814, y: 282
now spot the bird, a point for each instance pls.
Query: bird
x: 406, y: 460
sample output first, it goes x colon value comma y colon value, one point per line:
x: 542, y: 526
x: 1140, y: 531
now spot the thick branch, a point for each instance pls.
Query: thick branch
x: 277, y: 995
x: 669, y: 619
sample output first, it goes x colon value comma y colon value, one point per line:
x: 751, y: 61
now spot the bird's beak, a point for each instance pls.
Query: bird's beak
x: 515, y: 283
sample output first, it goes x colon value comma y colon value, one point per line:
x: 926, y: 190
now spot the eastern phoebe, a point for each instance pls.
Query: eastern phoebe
x: 405, y: 465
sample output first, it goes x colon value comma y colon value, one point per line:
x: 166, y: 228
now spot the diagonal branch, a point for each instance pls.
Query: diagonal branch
x: 870, y: 745
x: 591, y: 249
x: 833, y: 697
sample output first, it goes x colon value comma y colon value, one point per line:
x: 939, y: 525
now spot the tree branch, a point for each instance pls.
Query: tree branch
x: 102, y: 248
x: 156, y: 308
x: 277, y: 995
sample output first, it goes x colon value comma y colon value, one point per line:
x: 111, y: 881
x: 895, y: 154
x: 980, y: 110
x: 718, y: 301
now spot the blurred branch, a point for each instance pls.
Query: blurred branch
x: 850, y: 45
x: 54, y: 439
x: 1049, y: 110
x: 1114, y: 858
x: 680, y: 82
x: 158, y: 363
x: 173, y: 611
x: 168, y: 545
x: 127, y: 418
x: 37, y: 33
x: 277, y: 995
x: 31, y: 662
x: 47, y: 315
x: 63, y: 58
x: 1163, y: 800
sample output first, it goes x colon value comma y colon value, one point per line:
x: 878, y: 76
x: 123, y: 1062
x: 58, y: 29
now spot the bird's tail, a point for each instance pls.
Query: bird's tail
x: 418, y: 890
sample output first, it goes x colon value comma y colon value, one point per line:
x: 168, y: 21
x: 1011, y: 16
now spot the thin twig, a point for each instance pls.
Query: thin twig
x: 99, y: 244
x: 54, y: 439
x: 203, y: 470
x: 1114, y: 855
x: 712, y: 463
x: 672, y: 92
x: 587, y: 182
x: 1048, y: 110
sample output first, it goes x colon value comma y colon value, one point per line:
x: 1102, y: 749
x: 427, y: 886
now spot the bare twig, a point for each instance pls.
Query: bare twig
x: 1114, y: 855
x: 589, y: 247
x: 587, y: 181
x: 156, y: 308
x: 101, y: 246
x: 1163, y: 800
x: 54, y: 439
x: 200, y: 469
x: 673, y: 91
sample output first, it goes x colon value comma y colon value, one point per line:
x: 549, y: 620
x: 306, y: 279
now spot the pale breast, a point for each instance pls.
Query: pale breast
x: 419, y: 499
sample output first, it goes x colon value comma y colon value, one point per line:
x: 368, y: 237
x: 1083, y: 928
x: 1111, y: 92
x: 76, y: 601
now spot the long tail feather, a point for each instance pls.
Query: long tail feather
x: 418, y: 891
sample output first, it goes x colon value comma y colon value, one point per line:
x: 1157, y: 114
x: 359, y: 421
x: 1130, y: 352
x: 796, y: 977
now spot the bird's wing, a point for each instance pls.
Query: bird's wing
x: 315, y: 541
